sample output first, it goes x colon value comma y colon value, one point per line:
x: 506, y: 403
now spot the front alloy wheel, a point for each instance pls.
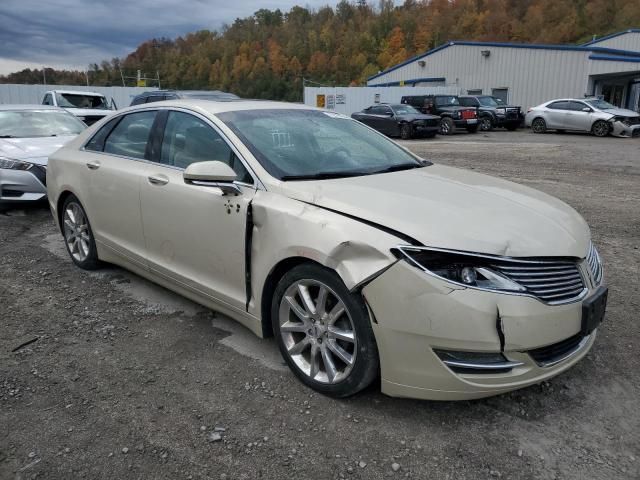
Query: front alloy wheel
x: 324, y: 332
x: 539, y: 125
x: 601, y: 128
x: 486, y: 125
x: 405, y: 131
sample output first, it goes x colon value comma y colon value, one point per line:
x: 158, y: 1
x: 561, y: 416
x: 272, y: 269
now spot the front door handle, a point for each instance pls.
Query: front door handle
x: 155, y: 180
x: 93, y: 165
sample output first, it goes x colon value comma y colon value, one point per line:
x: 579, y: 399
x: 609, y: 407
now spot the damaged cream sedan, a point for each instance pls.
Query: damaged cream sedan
x: 364, y: 261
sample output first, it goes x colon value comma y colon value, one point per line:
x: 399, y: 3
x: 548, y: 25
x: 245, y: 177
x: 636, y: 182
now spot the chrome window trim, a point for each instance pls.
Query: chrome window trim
x: 577, y: 298
x: 257, y: 185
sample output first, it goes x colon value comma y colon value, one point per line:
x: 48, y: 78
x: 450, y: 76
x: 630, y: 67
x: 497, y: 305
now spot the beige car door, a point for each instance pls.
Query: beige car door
x: 195, y: 234
x: 116, y: 160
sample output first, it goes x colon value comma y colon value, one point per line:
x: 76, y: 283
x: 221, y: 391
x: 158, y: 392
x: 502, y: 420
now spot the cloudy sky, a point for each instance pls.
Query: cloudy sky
x: 74, y: 33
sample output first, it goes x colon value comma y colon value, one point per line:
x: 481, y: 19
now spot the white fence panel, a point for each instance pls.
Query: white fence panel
x: 33, y: 94
x: 347, y: 100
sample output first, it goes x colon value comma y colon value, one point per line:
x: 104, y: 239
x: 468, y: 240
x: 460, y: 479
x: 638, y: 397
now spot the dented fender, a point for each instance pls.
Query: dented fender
x: 283, y: 228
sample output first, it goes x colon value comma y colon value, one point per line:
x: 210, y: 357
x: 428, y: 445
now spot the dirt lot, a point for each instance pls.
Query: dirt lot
x: 127, y: 380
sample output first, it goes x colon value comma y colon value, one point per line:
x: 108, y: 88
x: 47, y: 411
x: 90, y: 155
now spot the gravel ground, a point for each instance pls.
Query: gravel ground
x: 126, y: 380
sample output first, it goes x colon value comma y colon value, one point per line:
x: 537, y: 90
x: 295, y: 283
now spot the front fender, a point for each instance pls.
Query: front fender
x: 284, y: 228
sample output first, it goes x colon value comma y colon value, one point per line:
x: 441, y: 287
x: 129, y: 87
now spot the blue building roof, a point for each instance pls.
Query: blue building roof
x: 575, y: 48
x: 613, y: 35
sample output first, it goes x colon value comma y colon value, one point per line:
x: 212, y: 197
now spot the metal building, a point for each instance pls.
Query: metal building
x: 528, y: 74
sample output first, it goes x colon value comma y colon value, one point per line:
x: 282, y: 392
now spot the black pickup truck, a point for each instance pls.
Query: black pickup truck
x: 453, y: 115
x: 493, y: 112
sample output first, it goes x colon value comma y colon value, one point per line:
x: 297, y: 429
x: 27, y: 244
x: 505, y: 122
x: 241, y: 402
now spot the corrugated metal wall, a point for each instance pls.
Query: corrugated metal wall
x: 30, y: 94
x: 531, y: 75
x: 347, y: 100
x: 626, y: 41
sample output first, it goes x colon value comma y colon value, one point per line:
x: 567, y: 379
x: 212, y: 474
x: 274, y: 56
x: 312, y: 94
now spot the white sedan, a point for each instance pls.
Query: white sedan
x: 28, y: 135
x: 363, y: 260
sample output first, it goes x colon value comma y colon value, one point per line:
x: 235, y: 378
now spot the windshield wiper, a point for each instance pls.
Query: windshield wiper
x: 8, y: 136
x: 323, y: 175
x: 397, y: 168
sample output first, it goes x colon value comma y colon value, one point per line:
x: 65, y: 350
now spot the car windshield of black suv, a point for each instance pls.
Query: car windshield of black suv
x: 404, y: 110
x: 488, y: 102
x: 74, y: 100
x: 38, y: 123
x: 447, y: 101
x: 313, y: 145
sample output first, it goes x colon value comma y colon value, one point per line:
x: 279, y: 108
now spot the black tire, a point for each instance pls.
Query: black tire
x: 538, y: 125
x: 600, y: 128
x: 473, y: 129
x: 365, y: 366
x: 486, y: 124
x: 406, y: 132
x: 447, y: 126
x: 88, y: 260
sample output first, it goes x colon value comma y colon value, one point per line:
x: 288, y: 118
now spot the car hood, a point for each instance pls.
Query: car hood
x: 621, y: 112
x: 36, y: 149
x: 451, y: 208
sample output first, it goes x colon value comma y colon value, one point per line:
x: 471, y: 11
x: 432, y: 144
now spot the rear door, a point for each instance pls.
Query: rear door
x: 556, y: 114
x: 194, y: 234
x: 116, y: 162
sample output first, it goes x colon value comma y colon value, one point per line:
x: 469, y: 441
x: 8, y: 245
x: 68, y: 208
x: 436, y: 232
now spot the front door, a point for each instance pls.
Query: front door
x: 577, y: 118
x: 195, y: 235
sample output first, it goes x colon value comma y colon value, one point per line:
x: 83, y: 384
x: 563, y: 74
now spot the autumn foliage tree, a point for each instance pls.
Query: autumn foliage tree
x: 267, y: 54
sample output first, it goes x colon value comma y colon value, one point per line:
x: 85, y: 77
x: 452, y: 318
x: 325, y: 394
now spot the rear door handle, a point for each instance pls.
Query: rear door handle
x: 93, y: 165
x: 157, y: 180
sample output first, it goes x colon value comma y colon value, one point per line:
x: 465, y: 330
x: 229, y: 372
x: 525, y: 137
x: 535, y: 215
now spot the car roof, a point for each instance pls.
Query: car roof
x: 215, y: 107
x: 78, y: 92
x: 19, y: 106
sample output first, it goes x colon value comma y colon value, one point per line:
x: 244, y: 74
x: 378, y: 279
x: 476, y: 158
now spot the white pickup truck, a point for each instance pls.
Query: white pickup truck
x: 87, y: 106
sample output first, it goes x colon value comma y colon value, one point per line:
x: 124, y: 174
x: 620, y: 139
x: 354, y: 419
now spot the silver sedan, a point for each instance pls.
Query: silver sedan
x: 28, y: 135
x: 583, y: 115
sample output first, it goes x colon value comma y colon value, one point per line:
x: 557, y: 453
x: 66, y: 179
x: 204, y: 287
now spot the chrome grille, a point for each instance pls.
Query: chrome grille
x: 595, y: 266
x: 551, y: 281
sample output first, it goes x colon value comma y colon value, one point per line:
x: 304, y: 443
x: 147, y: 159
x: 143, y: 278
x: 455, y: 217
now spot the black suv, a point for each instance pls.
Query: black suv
x: 493, y: 112
x: 453, y: 115
x: 160, y: 95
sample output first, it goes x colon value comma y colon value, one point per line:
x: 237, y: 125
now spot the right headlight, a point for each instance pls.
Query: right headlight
x: 11, y: 164
x: 460, y: 268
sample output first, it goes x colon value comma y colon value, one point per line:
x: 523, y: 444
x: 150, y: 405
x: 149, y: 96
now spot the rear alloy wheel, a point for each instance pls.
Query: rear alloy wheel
x: 78, y: 236
x: 539, y: 125
x: 405, y: 131
x: 486, y: 125
x: 600, y: 128
x: 324, y: 331
x: 446, y: 126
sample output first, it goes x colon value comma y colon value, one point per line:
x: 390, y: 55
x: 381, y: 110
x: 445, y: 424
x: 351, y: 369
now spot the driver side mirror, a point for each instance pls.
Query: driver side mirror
x: 212, y: 174
x: 587, y: 109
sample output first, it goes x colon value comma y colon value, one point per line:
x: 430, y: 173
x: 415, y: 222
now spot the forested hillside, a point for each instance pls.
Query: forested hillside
x: 268, y: 54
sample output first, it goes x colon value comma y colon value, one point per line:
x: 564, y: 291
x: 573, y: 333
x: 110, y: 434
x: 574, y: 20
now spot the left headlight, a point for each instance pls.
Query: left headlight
x: 459, y: 268
x: 12, y: 164
x: 501, y: 111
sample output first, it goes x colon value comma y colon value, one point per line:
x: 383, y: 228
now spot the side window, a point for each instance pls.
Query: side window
x: 154, y: 98
x: 468, y: 102
x: 137, y: 101
x: 558, y: 106
x: 96, y: 144
x: 48, y: 99
x: 130, y: 136
x: 576, y: 106
x: 187, y: 140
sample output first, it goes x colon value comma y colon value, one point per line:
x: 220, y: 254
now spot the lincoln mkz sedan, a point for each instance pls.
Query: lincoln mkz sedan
x: 364, y: 261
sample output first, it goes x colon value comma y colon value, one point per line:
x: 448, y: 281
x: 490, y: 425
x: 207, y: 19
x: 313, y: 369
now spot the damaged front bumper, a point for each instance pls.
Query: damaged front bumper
x: 624, y: 129
x: 433, y: 337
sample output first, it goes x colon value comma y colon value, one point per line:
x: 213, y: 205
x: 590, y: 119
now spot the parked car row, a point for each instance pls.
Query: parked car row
x: 426, y: 115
